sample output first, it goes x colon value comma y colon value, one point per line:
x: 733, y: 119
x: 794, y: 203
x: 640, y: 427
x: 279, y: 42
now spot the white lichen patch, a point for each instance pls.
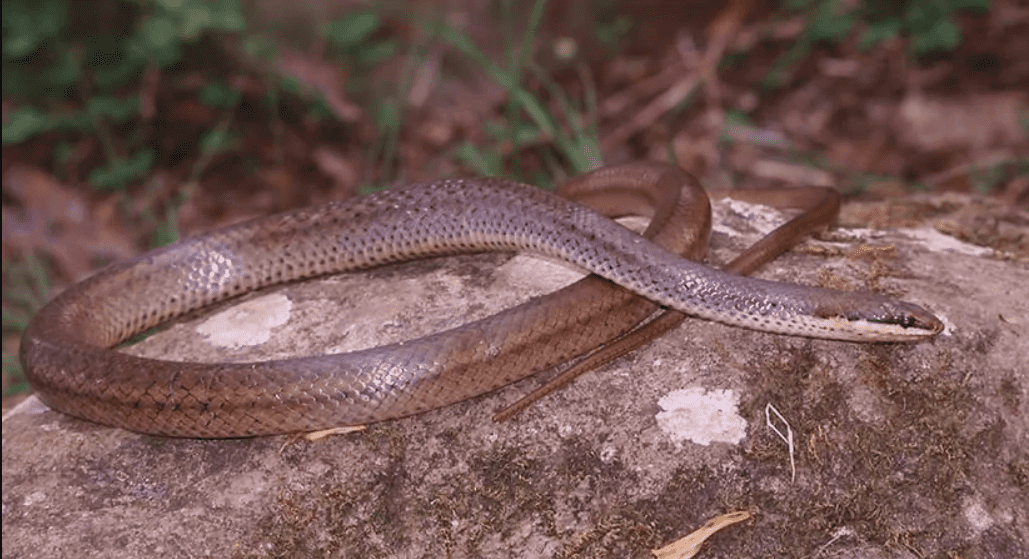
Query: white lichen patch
x: 976, y: 514
x: 248, y: 323
x: 940, y: 242
x: 536, y: 275
x: 701, y: 416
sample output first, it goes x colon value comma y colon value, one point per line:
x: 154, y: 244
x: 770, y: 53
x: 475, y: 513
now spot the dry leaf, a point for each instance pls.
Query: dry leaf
x: 690, y: 545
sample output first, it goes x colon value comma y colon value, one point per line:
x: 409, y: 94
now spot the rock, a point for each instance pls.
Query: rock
x: 899, y: 450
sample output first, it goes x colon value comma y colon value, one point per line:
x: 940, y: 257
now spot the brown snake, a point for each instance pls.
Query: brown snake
x: 66, y: 348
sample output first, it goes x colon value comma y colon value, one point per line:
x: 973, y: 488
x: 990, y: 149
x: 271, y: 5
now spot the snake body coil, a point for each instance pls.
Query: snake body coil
x: 67, y: 356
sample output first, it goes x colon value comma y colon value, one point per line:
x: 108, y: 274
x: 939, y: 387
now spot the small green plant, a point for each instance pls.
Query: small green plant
x: 929, y: 26
x: 528, y: 122
x: 88, y: 79
x: 988, y: 176
x: 26, y: 288
x: 353, y: 38
x: 359, y: 42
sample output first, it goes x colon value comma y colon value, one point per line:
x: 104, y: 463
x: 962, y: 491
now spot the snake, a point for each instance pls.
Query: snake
x: 70, y: 358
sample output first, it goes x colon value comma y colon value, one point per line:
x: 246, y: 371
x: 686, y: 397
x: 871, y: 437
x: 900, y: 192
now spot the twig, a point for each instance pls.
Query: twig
x: 787, y: 438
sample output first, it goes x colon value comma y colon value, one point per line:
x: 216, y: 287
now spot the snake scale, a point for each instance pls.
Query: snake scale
x: 67, y: 348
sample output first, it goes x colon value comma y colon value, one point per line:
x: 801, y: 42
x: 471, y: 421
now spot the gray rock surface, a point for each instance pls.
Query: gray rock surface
x: 900, y: 450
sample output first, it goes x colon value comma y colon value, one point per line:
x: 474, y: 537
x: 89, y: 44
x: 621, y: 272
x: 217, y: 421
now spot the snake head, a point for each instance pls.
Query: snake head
x: 872, y: 317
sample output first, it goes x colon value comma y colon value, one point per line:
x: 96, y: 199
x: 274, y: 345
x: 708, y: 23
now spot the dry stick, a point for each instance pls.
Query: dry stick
x: 705, y: 72
x: 819, y: 206
x: 615, y: 104
x: 650, y: 114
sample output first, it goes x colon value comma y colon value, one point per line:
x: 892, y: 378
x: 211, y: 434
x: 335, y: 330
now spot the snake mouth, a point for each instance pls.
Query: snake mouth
x: 929, y: 324
x: 904, y: 327
x: 909, y: 316
x: 887, y: 320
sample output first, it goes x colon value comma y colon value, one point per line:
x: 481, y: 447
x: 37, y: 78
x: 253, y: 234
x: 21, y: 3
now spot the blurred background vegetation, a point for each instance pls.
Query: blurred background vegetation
x: 128, y: 121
